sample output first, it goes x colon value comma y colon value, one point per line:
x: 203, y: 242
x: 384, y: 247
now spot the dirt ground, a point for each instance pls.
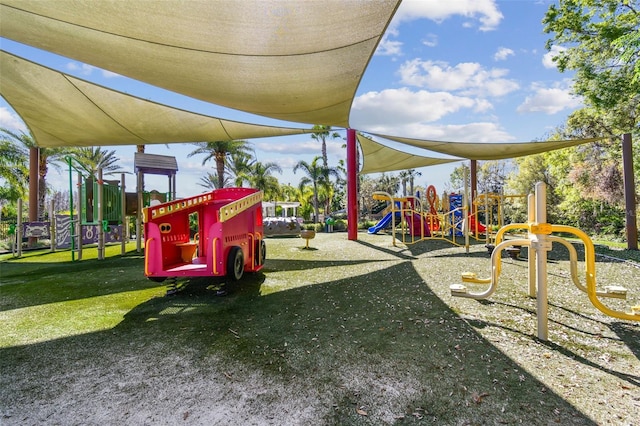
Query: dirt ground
x: 319, y: 369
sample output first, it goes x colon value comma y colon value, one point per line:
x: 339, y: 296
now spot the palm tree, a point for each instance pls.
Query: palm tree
x: 25, y: 141
x: 411, y: 175
x: 315, y: 175
x: 218, y: 151
x: 13, y: 170
x: 304, y: 195
x: 210, y: 181
x: 404, y: 177
x: 92, y: 158
x: 321, y: 133
x: 262, y: 179
x: 240, y: 166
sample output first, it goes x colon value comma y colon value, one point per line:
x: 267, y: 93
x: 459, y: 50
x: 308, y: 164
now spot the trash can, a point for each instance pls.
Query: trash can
x: 330, y: 222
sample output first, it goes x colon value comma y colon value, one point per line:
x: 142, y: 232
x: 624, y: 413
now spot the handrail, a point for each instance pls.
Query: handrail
x: 590, y: 262
x: 234, y: 208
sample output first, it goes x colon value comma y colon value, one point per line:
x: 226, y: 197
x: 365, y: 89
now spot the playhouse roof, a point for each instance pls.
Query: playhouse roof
x: 155, y: 164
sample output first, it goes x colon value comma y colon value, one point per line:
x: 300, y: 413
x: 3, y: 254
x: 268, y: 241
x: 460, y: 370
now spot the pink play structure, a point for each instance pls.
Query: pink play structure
x: 229, y: 240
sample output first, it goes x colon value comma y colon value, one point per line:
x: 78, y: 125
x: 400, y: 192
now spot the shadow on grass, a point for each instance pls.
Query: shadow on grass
x: 272, y: 265
x: 627, y: 333
x: 389, y: 347
x: 27, y: 284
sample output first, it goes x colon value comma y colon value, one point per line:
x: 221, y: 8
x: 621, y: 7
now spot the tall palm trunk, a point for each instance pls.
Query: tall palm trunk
x: 220, y: 157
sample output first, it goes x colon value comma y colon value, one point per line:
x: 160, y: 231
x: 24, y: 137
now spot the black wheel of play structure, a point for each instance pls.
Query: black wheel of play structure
x: 235, y: 264
x: 157, y: 279
x: 260, y: 253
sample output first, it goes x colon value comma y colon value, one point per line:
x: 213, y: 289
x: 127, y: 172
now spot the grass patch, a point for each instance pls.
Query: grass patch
x: 349, y: 333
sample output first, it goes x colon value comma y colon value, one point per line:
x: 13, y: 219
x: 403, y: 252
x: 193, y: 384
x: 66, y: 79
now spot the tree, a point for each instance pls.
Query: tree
x: 601, y: 41
x: 24, y: 142
x: 412, y: 174
x: 210, y: 181
x: 315, y: 175
x: 240, y: 166
x: 13, y: 171
x: 261, y: 178
x: 388, y: 183
x: 321, y: 133
x: 218, y: 151
x: 92, y: 158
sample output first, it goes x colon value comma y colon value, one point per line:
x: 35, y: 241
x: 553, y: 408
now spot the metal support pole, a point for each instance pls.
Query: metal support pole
x: 352, y: 185
x: 541, y: 247
x: 18, y: 248
x: 465, y: 212
x: 124, y: 235
x: 79, y: 217
x: 52, y: 225
x: 474, y: 183
x: 531, y: 258
x: 629, y: 193
x: 34, y: 180
x: 139, y: 214
x: 100, y: 216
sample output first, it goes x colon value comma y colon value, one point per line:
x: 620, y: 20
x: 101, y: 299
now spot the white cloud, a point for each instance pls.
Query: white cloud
x: 470, y: 132
x: 549, y: 100
x: 10, y: 121
x: 109, y: 74
x: 430, y: 40
x: 83, y: 69
x: 547, y: 58
x: 484, y: 11
x: 503, y: 53
x: 470, y: 78
x: 300, y: 148
x: 389, y: 47
x: 403, y: 107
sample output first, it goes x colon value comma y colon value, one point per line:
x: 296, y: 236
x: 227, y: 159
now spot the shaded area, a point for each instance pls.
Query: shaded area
x: 319, y: 353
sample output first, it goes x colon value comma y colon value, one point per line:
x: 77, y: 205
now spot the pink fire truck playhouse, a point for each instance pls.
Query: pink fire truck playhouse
x: 229, y: 240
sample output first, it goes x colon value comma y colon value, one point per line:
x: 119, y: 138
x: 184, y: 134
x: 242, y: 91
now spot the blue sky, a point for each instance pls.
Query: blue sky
x: 457, y: 70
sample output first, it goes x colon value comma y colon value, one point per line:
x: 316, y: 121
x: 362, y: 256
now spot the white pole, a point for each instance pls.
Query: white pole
x: 18, y: 246
x: 531, y: 217
x: 465, y: 213
x: 541, y: 262
x: 52, y: 225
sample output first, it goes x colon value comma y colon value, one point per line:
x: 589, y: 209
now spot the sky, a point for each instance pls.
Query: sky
x: 457, y: 70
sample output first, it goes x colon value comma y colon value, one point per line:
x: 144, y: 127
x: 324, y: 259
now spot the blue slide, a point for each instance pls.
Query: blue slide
x: 384, y: 222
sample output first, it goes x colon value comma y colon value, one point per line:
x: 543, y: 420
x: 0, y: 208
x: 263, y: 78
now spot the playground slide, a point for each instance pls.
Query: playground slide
x: 414, y: 225
x: 384, y: 222
x: 475, y: 225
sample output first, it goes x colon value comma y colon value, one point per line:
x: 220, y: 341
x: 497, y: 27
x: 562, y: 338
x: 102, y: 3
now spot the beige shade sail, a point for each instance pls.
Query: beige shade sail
x: 489, y: 151
x: 380, y: 158
x: 61, y: 110
x: 292, y: 60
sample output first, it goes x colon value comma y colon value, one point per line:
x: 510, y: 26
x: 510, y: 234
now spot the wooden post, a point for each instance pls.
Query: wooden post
x: 629, y: 193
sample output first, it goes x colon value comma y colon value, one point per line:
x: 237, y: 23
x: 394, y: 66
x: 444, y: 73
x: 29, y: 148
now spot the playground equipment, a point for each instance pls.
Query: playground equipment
x: 100, y: 205
x: 539, y: 242
x: 416, y: 224
x: 307, y: 235
x: 228, y: 241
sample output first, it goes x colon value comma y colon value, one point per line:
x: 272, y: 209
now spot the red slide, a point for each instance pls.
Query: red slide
x: 476, y: 226
x: 414, y: 222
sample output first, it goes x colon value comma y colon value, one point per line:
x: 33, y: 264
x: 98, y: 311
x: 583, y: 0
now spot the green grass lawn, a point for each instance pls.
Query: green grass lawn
x: 349, y: 332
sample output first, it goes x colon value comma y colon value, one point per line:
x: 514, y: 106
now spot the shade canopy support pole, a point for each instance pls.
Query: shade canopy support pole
x: 352, y: 185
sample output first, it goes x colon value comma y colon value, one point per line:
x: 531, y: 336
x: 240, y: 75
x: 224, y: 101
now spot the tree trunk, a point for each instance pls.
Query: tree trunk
x: 220, y: 168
